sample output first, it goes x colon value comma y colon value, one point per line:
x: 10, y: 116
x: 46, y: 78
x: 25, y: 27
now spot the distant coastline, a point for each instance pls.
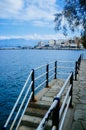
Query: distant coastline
x: 22, y: 44
x: 32, y: 48
x: 15, y: 48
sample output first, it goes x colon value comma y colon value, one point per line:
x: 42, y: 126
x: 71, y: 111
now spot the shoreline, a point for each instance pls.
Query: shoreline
x: 28, y: 48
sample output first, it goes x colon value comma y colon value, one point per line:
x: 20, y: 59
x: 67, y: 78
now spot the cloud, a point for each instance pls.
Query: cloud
x: 42, y: 23
x: 28, y: 9
x: 37, y: 37
x: 10, y: 8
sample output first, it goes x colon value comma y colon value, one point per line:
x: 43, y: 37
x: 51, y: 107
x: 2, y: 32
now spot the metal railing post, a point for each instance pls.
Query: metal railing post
x: 55, y: 116
x: 47, y: 74
x: 33, y: 95
x: 55, y: 69
x: 71, y: 91
x: 76, y: 63
x: 79, y: 61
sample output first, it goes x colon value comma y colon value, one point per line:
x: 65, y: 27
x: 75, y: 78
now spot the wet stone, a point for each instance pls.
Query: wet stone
x: 83, y: 92
x: 50, y: 94
x: 82, y: 78
x: 75, y: 100
x: 83, y: 83
x: 79, y: 106
x: 77, y: 126
x: 52, y: 90
x: 55, y: 88
x: 75, y: 91
x: 80, y: 115
x: 47, y: 99
x: 75, y: 96
x: 83, y: 99
x: 84, y: 124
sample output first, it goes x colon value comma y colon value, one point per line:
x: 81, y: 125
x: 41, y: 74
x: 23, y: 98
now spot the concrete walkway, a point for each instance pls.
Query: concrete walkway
x: 79, y: 99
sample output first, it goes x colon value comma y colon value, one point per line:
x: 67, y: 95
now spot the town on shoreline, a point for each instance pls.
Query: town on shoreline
x: 51, y: 45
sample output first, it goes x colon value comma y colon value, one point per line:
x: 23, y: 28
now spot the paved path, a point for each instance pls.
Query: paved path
x: 79, y: 99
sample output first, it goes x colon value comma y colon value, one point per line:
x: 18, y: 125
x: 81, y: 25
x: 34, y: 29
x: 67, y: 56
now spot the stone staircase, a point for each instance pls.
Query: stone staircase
x: 33, y: 116
x: 36, y: 110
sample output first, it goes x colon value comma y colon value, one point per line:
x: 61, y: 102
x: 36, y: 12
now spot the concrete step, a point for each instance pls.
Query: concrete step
x: 26, y: 128
x: 33, y: 122
x: 40, y: 104
x: 35, y: 112
x: 47, y: 99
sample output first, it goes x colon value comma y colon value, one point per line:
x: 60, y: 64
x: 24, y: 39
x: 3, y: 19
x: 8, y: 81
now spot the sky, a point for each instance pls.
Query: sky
x: 29, y: 19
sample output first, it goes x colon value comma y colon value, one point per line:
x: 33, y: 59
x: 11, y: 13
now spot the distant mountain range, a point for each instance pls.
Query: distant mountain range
x: 18, y: 43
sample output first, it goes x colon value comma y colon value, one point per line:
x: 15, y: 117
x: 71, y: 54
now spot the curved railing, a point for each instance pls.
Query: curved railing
x: 56, y: 112
x: 37, y: 79
x: 16, y: 119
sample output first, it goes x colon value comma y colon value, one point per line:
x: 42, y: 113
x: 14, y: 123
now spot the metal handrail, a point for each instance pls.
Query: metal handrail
x: 54, y: 104
x: 40, y: 76
x: 51, y: 62
x: 47, y: 115
x: 47, y: 74
x: 58, y: 96
x: 40, y: 85
x: 65, y: 99
x: 64, y: 67
x: 51, y: 76
x: 32, y: 84
x: 63, y: 73
x: 53, y: 68
x: 66, y: 61
x: 24, y: 110
x: 40, y: 67
x: 65, y: 84
x: 10, y: 116
x: 64, y: 114
x: 20, y: 106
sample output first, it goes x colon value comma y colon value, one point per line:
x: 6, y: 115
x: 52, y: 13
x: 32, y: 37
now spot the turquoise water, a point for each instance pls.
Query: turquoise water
x: 15, y: 65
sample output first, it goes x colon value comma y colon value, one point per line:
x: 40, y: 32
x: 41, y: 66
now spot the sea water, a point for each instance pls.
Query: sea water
x: 15, y: 66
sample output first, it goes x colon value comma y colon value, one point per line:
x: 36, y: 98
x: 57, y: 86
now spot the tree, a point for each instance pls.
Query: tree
x: 83, y: 40
x: 72, y: 17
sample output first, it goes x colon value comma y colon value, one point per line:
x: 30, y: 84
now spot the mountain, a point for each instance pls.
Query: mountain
x: 18, y: 42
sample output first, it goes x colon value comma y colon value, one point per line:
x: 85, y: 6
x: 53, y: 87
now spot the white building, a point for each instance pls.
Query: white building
x: 41, y: 43
x: 73, y: 45
x: 52, y: 42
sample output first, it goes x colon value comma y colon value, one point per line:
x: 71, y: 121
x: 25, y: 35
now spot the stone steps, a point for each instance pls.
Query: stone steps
x: 34, y: 114
x: 31, y: 119
x: 40, y: 104
x: 36, y: 110
x: 26, y: 128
